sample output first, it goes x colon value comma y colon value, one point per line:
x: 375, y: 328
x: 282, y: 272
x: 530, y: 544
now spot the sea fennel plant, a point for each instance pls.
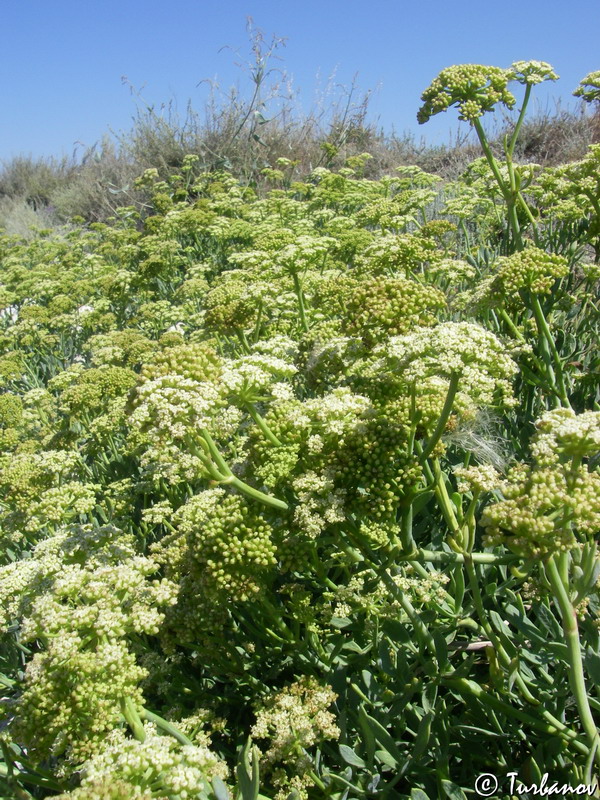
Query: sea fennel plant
x: 477, y: 90
x: 298, y: 493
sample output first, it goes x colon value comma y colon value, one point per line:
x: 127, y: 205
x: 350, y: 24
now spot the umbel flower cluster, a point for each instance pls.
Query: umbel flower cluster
x: 548, y: 503
x: 82, y: 591
x: 532, y: 270
x: 274, y: 469
x: 589, y: 87
x: 158, y: 766
x: 292, y: 720
x: 476, y: 89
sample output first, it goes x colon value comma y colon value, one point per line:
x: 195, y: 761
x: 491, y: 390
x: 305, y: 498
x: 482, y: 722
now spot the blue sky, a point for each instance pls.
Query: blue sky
x: 62, y: 61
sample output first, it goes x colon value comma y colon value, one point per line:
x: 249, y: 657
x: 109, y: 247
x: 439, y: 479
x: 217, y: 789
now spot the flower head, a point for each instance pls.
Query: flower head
x: 589, y: 87
x: 462, y: 348
x: 473, y: 88
x: 532, y: 72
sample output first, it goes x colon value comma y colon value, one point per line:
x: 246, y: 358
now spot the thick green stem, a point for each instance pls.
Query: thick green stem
x: 507, y: 190
x: 509, y: 151
x: 165, y: 726
x: 446, y: 505
x: 513, y: 219
x: 469, y: 523
x: 256, y: 494
x: 133, y: 719
x: 499, y: 648
x: 412, y: 614
x: 300, y: 296
x: 518, y: 335
x: 532, y: 219
x: 406, y: 537
x: 483, y: 617
x: 550, y: 353
x: 444, y: 416
x: 268, y: 433
x: 490, y: 156
x: 576, y: 673
x: 275, y: 614
x: 214, y: 452
x: 220, y: 472
x: 511, y: 325
x: 243, y: 341
x: 515, y: 135
x: 466, y: 687
x: 463, y: 228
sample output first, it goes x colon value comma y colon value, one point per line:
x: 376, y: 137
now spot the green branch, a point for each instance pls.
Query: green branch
x: 576, y: 672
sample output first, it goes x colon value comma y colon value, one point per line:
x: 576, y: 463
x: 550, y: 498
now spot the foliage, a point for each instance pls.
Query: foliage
x: 299, y: 490
x: 262, y: 134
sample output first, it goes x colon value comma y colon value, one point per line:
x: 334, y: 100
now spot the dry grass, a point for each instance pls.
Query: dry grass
x: 246, y: 132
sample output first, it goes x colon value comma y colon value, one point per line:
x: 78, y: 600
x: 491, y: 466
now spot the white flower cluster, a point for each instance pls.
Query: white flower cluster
x: 462, y: 348
x: 424, y: 589
x: 84, y: 579
x: 158, y: 513
x: 82, y: 592
x: 252, y: 375
x: 278, y: 346
x: 158, y: 764
x: 454, y: 270
x: 71, y: 697
x: 172, y: 405
x: 165, y: 459
x: 481, y: 478
x: 563, y: 434
x: 304, y: 252
x: 532, y: 72
x: 337, y: 412
x: 61, y: 504
x: 23, y: 469
x: 320, y: 504
x: 368, y: 594
x: 296, y: 716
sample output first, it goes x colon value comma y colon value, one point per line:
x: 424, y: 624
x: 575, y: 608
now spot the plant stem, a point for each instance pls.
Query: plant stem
x: 268, y: 433
x: 549, y: 351
x: 576, y: 673
x: 444, y: 416
x: 165, y: 726
x: 406, y: 537
x: 221, y: 473
x: 464, y: 686
x: 133, y: 719
x: 256, y: 494
x: 300, y: 296
x: 243, y: 341
x: 446, y: 505
x: 214, y: 452
x: 507, y: 191
x: 515, y: 135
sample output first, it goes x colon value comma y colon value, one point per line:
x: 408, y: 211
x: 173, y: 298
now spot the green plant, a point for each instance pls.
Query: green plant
x: 299, y: 488
x: 476, y: 90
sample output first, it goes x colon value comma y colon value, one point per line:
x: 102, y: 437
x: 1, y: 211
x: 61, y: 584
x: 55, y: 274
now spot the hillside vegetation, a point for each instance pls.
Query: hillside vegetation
x: 299, y: 489
x: 246, y: 131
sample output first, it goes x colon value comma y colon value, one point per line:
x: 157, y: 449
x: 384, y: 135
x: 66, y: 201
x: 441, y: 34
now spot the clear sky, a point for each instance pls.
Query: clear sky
x: 62, y: 61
